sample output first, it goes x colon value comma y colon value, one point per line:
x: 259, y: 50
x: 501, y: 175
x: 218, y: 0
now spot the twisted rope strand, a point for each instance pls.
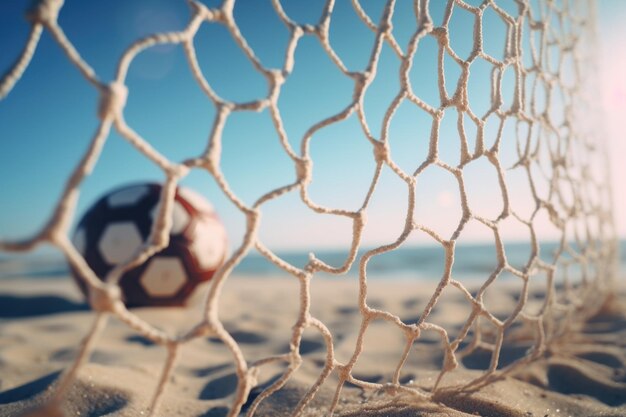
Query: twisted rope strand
x: 554, y: 149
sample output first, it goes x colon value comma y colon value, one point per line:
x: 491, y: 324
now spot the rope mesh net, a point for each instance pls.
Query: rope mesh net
x: 549, y: 50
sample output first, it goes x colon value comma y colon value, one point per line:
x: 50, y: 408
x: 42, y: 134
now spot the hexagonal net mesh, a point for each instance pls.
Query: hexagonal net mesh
x: 557, y: 147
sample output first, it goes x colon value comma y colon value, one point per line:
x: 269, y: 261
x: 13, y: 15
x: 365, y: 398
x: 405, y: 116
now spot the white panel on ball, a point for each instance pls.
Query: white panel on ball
x: 128, y: 196
x: 198, y: 201
x: 180, y: 217
x: 209, y: 244
x: 119, y: 242
x: 164, y: 276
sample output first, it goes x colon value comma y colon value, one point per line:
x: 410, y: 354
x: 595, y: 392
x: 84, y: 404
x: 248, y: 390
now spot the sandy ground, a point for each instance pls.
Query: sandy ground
x: 42, y: 321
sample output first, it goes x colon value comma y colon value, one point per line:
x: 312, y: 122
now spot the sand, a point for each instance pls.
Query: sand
x: 42, y: 321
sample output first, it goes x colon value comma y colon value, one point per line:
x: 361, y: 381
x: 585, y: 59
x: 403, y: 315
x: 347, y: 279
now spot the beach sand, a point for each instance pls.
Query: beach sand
x: 43, y: 320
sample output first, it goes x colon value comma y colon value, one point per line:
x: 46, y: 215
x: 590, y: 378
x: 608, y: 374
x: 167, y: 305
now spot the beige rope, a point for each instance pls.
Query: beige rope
x: 577, y: 203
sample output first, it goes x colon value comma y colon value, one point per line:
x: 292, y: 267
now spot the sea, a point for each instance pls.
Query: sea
x: 475, y: 261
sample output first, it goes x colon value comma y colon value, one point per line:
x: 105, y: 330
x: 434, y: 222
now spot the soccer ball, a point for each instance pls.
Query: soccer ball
x: 115, y: 227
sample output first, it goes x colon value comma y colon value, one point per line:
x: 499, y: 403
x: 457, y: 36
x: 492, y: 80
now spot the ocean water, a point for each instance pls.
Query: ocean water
x: 471, y: 262
x: 475, y: 261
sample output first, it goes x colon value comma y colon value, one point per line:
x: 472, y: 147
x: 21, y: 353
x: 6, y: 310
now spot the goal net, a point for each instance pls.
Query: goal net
x: 529, y: 127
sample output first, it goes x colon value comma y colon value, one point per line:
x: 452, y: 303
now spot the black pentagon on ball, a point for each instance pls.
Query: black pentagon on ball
x: 114, y: 228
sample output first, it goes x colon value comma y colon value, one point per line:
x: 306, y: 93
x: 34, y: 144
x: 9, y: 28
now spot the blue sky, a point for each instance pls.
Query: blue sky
x: 49, y: 118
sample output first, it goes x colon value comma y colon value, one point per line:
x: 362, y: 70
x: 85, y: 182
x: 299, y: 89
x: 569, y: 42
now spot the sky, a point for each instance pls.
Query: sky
x: 46, y: 122
x: 612, y: 31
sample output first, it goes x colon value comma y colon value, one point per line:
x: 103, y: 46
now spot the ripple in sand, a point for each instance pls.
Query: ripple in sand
x: 569, y: 378
x: 204, y: 372
x: 408, y: 378
x: 481, y: 358
x: 243, y: 337
x: 604, y: 358
x: 216, y: 412
x: 257, y: 390
x: 308, y: 346
x: 83, y: 399
x: 374, y: 378
x: 28, y: 390
x: 219, y: 387
x: 56, y: 328
x: 98, y: 356
x: 347, y: 310
x: 141, y: 340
